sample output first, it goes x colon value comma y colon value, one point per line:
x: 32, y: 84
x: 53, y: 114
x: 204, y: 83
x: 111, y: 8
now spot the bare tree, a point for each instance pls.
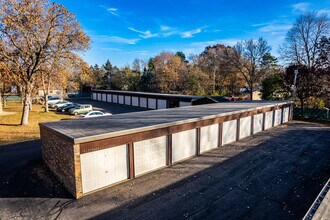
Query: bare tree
x: 32, y: 32
x: 301, y: 51
x: 301, y: 42
x: 248, y: 58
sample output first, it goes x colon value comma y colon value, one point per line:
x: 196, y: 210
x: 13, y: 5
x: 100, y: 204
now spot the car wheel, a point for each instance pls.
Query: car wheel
x: 75, y: 113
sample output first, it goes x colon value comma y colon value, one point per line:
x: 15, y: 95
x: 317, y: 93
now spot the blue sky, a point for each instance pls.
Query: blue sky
x: 122, y: 30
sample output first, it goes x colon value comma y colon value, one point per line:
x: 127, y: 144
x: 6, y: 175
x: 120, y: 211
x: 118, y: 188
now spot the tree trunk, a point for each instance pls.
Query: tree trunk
x: 46, y: 102
x: 1, y: 103
x: 26, y: 106
x: 251, y: 92
x: 4, y: 101
x: 213, y: 82
x: 30, y: 104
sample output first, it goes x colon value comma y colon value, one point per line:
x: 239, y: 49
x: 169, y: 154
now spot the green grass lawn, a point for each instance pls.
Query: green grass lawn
x: 10, y: 129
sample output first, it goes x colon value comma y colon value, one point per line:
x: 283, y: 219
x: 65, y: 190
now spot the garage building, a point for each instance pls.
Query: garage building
x: 87, y: 155
x: 145, y: 99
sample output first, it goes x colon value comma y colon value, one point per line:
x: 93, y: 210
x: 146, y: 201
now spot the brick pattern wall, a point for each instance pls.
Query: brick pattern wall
x: 58, y: 154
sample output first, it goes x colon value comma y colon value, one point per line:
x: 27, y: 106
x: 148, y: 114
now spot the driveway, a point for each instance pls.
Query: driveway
x: 271, y: 175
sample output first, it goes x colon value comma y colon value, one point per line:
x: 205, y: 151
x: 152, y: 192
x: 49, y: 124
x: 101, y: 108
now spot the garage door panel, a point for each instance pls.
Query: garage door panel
x: 245, y: 127
x: 104, y: 97
x: 152, y: 103
x: 161, y: 104
x: 143, y: 102
x: 109, y: 97
x: 286, y: 112
x: 229, y: 129
x: 278, y: 116
x: 103, y: 167
x: 150, y: 154
x: 209, y: 137
x: 269, y: 120
x: 184, y: 145
x: 127, y: 100
x: 257, y: 127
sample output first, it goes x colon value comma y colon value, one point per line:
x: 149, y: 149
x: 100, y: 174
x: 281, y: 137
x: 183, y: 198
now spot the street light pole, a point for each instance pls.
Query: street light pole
x: 294, y: 91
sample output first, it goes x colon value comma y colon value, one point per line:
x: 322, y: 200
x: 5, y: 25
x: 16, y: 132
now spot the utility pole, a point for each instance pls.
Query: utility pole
x: 294, y: 92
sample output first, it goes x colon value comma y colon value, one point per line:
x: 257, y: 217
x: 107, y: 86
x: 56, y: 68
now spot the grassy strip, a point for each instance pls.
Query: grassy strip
x: 10, y: 129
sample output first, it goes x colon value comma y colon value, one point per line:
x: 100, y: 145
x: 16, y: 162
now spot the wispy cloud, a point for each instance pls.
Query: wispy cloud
x: 113, y: 11
x: 144, y: 34
x: 164, y: 28
x: 261, y: 24
x: 324, y: 11
x: 167, y: 31
x: 111, y: 49
x: 300, y: 7
x: 114, y: 39
x: 275, y: 28
x: 189, y: 34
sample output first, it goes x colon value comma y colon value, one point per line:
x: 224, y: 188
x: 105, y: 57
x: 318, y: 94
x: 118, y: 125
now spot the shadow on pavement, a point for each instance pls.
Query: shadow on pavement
x: 24, y: 175
x: 279, y: 178
x: 276, y: 174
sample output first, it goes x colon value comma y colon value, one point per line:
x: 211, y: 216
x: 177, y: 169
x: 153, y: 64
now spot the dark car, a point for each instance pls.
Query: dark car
x: 67, y: 107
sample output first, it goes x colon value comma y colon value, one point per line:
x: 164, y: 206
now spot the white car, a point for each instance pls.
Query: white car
x: 92, y: 114
x: 60, y: 104
x: 52, y: 101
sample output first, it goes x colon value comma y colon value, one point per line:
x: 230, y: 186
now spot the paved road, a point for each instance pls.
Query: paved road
x: 272, y: 175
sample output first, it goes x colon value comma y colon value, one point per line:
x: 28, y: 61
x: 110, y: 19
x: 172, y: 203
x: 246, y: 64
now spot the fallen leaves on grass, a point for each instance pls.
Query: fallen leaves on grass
x: 10, y: 129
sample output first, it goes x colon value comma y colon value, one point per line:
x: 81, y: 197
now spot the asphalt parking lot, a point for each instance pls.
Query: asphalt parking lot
x: 276, y: 174
x: 107, y: 107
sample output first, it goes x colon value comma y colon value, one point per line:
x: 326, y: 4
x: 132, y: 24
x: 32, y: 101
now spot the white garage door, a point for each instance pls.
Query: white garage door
x: 143, y: 102
x: 103, y: 167
x: 104, y: 97
x: 115, y: 99
x: 286, y: 112
x: 209, y: 137
x: 135, y: 101
x: 127, y: 100
x: 109, y: 98
x: 269, y: 120
x: 121, y: 99
x: 150, y: 154
x: 278, y: 116
x: 183, y: 145
x: 152, y: 103
x: 229, y: 129
x: 161, y: 104
x: 245, y: 127
x: 257, y: 127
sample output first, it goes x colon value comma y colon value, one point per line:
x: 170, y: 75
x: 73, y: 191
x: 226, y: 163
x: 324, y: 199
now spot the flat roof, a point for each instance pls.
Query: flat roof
x: 90, y: 129
x: 149, y: 94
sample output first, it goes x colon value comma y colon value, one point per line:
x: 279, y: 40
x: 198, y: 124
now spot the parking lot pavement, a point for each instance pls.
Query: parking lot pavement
x: 107, y: 107
x: 275, y: 174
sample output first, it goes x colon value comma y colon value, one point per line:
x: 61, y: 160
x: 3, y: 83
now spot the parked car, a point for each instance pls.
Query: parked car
x: 60, y: 104
x: 67, y: 107
x: 53, y: 101
x: 93, y: 114
x: 80, y: 109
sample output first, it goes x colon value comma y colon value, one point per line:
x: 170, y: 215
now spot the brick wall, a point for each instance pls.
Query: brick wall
x: 58, y: 154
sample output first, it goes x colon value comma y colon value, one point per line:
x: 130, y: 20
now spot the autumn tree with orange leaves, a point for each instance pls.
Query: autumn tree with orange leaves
x: 33, y: 32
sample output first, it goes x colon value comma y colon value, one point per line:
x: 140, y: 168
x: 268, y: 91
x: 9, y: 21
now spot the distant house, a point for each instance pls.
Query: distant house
x: 53, y: 91
x: 256, y: 95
